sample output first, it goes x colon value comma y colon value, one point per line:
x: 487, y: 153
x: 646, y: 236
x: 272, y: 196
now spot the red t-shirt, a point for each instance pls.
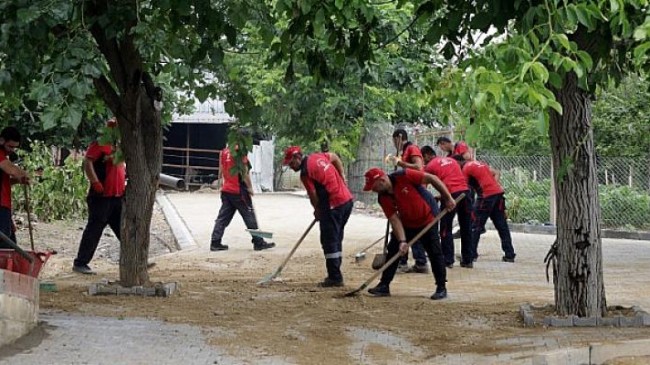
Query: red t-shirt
x: 319, y: 175
x: 5, y: 182
x: 478, y: 175
x: 448, y: 170
x: 459, y: 148
x: 410, y: 200
x: 410, y: 150
x: 113, y: 177
x: 231, y: 182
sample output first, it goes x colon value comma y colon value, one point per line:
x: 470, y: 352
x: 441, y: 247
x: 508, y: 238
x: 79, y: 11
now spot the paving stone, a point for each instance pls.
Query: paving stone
x: 585, y: 321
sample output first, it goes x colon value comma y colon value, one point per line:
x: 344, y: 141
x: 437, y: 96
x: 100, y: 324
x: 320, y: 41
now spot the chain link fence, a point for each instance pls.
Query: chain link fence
x: 624, y: 183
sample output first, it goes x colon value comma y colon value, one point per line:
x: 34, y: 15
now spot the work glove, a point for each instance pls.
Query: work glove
x: 392, y: 160
x: 98, y: 187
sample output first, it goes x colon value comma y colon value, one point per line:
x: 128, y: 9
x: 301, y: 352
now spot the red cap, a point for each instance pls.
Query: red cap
x: 289, y: 152
x: 460, y: 148
x: 372, y: 175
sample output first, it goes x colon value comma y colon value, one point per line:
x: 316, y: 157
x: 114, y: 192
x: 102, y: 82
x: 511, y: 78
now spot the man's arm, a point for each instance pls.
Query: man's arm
x: 311, y: 192
x: 14, y: 171
x: 495, y: 173
x: 247, y: 180
x: 398, y: 231
x: 416, y: 164
x: 338, y: 164
x: 440, y: 186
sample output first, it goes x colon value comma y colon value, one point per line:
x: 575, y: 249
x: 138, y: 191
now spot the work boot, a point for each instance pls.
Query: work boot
x: 381, y: 290
x: 263, y: 246
x: 441, y: 293
x: 508, y: 259
x: 218, y: 247
x: 467, y: 265
x: 83, y: 269
x: 450, y: 266
x: 330, y: 283
x: 418, y: 269
x: 402, y: 268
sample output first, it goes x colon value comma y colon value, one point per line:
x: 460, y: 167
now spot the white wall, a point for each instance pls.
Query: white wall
x: 262, y: 160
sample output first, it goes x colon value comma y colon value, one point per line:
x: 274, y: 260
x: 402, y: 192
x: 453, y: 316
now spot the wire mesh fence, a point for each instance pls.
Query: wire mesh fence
x: 624, y: 183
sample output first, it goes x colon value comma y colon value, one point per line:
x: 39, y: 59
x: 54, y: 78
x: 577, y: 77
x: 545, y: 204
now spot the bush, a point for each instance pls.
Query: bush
x: 622, y: 206
x: 58, y: 193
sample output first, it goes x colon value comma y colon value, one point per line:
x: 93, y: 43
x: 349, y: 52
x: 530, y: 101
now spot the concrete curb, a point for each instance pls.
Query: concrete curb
x: 18, y: 305
x: 596, y: 353
x: 178, y: 226
x: 552, y: 230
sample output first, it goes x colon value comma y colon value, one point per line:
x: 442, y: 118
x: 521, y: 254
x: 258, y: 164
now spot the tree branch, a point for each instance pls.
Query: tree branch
x: 108, y: 94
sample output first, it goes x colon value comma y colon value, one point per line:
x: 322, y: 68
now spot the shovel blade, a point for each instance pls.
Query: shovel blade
x: 259, y: 233
x: 360, y: 257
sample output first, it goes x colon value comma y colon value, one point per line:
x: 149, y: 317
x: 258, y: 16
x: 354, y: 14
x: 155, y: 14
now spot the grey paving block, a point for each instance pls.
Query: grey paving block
x: 608, y: 321
x: 585, y: 321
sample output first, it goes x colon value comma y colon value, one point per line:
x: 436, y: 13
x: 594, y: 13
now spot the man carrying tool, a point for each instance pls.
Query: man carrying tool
x: 410, y: 207
x: 236, y: 196
x: 9, y: 174
x: 448, y: 170
x: 323, y: 177
x: 491, y: 203
x: 411, y: 159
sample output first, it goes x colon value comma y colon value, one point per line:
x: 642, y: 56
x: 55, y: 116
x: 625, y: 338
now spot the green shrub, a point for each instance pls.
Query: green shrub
x: 622, y: 206
x: 58, y: 193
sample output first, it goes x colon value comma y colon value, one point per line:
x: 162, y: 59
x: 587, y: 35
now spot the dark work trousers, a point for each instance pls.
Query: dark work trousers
x: 332, y: 227
x: 102, y: 211
x: 465, y: 211
x: 494, y: 207
x: 231, y: 203
x: 6, y: 226
x: 431, y: 243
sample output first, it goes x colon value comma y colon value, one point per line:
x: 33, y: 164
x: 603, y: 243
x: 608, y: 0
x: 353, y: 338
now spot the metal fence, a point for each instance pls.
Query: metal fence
x: 624, y: 183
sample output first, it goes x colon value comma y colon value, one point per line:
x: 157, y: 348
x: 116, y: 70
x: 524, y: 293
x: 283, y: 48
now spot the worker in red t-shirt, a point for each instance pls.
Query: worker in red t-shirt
x: 459, y: 148
x: 410, y: 207
x: 104, y: 199
x: 236, y: 196
x: 409, y: 158
x: 448, y: 170
x: 9, y: 174
x: 491, y: 203
x: 324, y: 179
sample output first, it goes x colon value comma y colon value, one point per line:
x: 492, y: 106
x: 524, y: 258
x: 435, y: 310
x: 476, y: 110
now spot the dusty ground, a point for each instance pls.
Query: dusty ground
x: 296, y: 321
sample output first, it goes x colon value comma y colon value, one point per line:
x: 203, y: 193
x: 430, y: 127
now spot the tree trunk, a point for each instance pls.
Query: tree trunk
x: 141, y: 132
x: 580, y: 288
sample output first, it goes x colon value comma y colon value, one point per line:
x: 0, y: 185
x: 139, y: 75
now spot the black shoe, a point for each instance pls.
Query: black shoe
x: 508, y: 259
x: 450, y: 266
x: 467, y: 265
x: 330, y: 283
x: 83, y: 269
x: 418, y: 269
x: 263, y: 246
x: 380, y: 290
x: 218, y: 247
x: 441, y: 293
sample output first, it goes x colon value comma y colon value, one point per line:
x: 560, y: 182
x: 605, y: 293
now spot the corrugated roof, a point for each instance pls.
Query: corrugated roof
x: 208, y: 112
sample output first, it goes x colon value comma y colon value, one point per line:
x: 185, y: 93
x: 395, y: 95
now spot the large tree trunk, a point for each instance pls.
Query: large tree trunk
x: 579, y: 288
x: 131, y: 96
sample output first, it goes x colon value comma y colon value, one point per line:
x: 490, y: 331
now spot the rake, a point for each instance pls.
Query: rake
x: 268, y: 278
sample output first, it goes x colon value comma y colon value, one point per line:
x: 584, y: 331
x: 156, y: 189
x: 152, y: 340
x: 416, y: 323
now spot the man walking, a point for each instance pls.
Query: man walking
x: 236, y: 196
x: 9, y: 174
x: 410, y: 207
x: 448, y: 170
x: 323, y: 177
x: 107, y: 185
x: 491, y: 203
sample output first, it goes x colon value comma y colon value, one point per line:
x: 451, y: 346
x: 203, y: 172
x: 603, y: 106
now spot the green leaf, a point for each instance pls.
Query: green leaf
x: 540, y: 71
x: 613, y: 4
x: 72, y: 117
x: 50, y: 117
x: 640, y: 33
x: 584, y: 16
x: 555, y: 80
x: 586, y: 59
x: 339, y: 4
x: 555, y: 105
x: 535, y: 97
x: 479, y: 100
x: 542, y: 122
x: 524, y: 69
x: 641, y: 50
x: 564, y: 41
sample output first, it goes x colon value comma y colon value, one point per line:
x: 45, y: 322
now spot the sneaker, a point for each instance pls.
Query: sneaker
x: 418, y: 269
x: 330, y: 283
x: 467, y: 265
x: 508, y: 259
x: 380, y: 290
x: 83, y: 269
x: 441, y: 293
x: 263, y: 246
x: 218, y: 247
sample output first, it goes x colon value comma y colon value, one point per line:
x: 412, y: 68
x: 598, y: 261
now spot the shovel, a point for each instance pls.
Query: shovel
x: 258, y: 232
x: 361, y: 255
x: 29, y: 216
x: 396, y: 256
x: 277, y: 272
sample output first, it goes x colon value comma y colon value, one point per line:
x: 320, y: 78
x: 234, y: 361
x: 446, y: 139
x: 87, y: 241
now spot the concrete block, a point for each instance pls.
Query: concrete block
x: 561, y: 322
x: 645, y: 320
x: 608, y: 321
x: 624, y: 321
x: 120, y: 290
x: 170, y: 289
x: 585, y: 322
